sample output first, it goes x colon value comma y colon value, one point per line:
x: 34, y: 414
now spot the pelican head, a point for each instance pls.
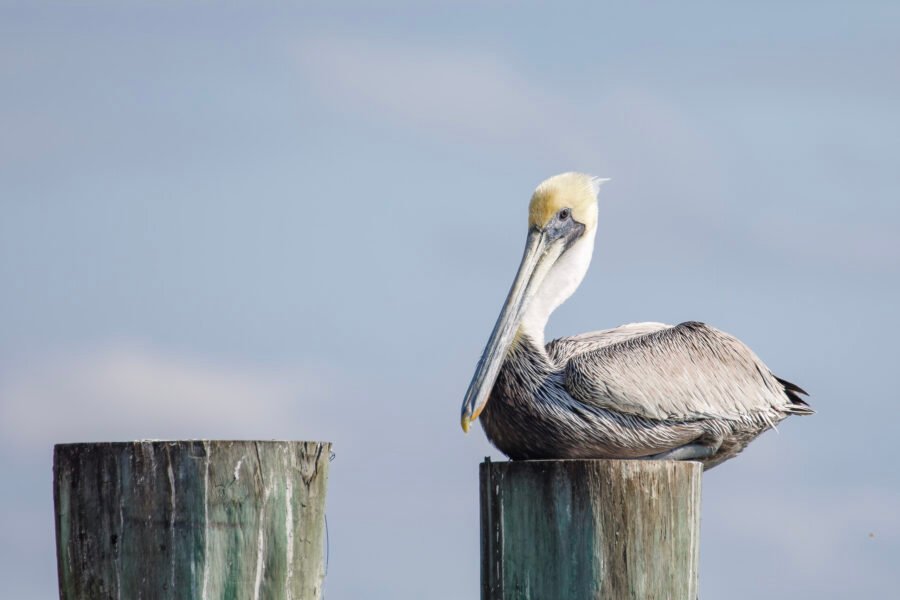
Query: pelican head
x: 562, y: 221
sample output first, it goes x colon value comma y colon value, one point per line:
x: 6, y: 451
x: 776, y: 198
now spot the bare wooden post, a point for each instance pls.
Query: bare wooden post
x: 599, y: 529
x: 190, y: 519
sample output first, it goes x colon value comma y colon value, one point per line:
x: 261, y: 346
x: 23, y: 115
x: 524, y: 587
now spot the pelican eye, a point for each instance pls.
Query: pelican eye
x: 564, y: 214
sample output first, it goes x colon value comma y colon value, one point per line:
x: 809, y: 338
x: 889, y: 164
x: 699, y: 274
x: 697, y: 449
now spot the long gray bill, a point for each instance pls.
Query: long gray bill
x: 540, y: 254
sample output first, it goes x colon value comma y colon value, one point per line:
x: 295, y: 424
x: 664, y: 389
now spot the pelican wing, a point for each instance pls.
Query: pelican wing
x: 564, y: 349
x: 686, y: 372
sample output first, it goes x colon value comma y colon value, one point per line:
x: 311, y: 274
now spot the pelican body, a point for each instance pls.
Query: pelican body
x: 642, y: 390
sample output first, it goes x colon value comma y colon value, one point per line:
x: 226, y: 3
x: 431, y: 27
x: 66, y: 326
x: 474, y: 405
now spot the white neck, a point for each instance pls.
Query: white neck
x: 560, y: 283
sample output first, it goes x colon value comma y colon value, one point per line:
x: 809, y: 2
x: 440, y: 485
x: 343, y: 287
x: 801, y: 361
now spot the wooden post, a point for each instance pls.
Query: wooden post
x: 190, y: 519
x: 598, y: 529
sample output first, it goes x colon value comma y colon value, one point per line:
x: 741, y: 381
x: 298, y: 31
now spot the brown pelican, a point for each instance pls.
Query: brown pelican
x: 643, y: 390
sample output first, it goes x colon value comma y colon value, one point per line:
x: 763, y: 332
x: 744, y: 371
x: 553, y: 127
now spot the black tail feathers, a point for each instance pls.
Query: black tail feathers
x: 798, y: 406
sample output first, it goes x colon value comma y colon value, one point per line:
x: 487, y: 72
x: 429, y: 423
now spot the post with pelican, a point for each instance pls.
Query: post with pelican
x: 608, y: 431
x: 190, y: 519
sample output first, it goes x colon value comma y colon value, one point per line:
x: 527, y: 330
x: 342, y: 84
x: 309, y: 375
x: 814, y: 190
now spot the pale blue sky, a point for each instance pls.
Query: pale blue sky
x: 269, y: 222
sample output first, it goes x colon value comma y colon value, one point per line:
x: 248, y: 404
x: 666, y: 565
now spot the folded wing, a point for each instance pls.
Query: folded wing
x: 682, y: 373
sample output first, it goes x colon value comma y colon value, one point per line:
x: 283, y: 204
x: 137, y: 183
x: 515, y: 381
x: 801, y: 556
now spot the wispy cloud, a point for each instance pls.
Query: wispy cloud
x: 462, y: 94
x: 489, y: 103
x: 128, y: 391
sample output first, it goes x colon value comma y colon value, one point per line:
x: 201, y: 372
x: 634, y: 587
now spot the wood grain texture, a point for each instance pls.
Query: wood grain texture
x: 190, y: 519
x: 590, y: 529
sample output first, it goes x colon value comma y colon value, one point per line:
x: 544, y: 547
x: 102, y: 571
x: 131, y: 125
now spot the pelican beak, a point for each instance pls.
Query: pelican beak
x: 541, y: 251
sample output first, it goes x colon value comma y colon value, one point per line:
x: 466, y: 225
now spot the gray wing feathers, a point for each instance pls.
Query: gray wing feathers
x: 563, y: 349
x: 690, y: 371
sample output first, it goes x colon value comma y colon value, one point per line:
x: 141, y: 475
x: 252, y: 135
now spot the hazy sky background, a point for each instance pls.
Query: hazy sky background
x: 269, y: 222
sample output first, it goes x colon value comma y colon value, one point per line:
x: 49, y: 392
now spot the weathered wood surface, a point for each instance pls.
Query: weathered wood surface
x: 190, y: 519
x: 590, y: 529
